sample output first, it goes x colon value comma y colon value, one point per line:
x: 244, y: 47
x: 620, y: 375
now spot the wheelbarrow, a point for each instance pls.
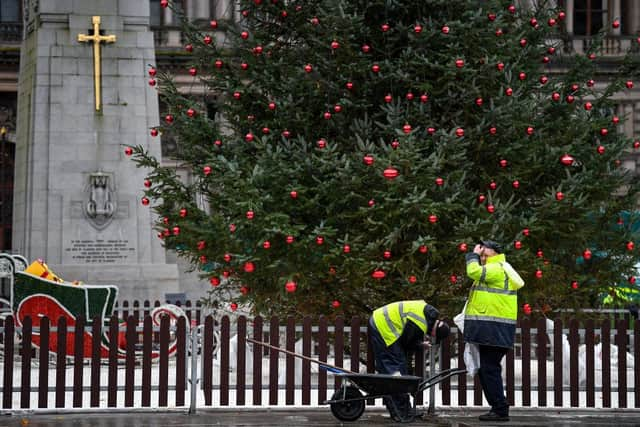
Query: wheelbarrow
x: 348, y: 402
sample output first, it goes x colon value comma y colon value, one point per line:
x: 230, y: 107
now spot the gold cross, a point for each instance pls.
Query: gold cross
x: 96, y: 38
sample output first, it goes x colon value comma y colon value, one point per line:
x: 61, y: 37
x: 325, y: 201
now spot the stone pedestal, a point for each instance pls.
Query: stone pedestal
x: 77, y: 195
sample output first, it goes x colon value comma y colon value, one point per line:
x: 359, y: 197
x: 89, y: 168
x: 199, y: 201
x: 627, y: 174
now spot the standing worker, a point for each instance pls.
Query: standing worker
x: 397, y: 329
x: 490, y: 319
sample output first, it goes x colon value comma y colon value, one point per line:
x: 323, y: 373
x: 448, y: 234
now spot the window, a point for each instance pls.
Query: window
x: 10, y: 11
x: 155, y: 13
x: 589, y: 16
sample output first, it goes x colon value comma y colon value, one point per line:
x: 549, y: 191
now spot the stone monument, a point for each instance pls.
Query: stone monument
x: 83, y: 95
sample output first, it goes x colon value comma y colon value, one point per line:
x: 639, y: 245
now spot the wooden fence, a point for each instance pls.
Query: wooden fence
x: 230, y: 371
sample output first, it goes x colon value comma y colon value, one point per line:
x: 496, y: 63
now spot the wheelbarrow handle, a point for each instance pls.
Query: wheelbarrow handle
x: 439, y: 377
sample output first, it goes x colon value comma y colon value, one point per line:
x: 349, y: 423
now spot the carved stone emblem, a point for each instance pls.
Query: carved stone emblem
x: 101, y: 207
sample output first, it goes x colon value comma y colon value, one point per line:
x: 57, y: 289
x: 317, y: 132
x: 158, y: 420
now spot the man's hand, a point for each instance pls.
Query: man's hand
x: 477, y: 249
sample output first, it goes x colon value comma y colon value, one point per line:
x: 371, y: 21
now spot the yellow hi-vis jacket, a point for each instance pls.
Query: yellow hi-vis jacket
x: 391, y: 319
x: 492, y: 308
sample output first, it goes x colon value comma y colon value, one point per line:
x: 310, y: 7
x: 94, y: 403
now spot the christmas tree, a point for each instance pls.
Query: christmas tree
x: 355, y: 150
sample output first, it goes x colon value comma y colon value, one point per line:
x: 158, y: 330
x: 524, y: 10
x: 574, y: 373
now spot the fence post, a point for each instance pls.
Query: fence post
x: 432, y: 372
x: 194, y: 344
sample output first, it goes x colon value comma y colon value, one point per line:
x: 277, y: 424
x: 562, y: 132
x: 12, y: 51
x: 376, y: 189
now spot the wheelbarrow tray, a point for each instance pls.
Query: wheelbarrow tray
x: 381, y: 384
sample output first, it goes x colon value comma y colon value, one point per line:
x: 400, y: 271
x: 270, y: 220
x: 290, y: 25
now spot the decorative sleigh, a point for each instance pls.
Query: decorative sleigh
x: 36, y: 292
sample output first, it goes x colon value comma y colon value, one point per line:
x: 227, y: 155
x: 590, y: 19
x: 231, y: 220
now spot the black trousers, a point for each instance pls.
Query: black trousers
x: 491, y: 377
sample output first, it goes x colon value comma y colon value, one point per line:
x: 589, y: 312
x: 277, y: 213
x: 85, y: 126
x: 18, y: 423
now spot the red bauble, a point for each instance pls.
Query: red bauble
x: 604, y: 131
x: 144, y: 201
x: 462, y: 247
x: 479, y: 102
x: 378, y: 274
x: 346, y: 249
x: 349, y: 85
x: 227, y: 257
x: 128, y: 151
x: 244, y: 35
x: 244, y: 66
x: 526, y: 232
x: 566, y: 160
x: 545, y: 59
x: 388, y: 98
x: 503, y: 163
x: 375, y: 68
x: 615, y: 24
x: 293, y: 194
x: 423, y: 249
x: 201, y: 245
x: 213, y: 24
x: 203, y: 259
x: 314, y: 21
x: 206, y: 170
x: 559, y: 195
x: 249, y: 267
x: 615, y: 120
x: 183, y: 212
x: 188, y: 47
x: 176, y: 230
x: 574, y: 284
x: 551, y: 50
x: 147, y: 183
x: 289, y: 239
x: 286, y: 134
x: 152, y: 82
x: 308, y: 68
x: 384, y: 28
x: 431, y: 130
x: 191, y: 112
x: 533, y: 22
x: 600, y: 149
x: 327, y: 115
x: 439, y: 181
x: 337, y: 108
x: 321, y: 143
x: 215, y: 281
x: 244, y: 290
x: 406, y: 129
x: 335, y: 304
x: 445, y: 30
x: 508, y: 91
x: 526, y: 308
x: 629, y: 84
x: 493, y: 185
x: 530, y: 130
x: 551, y: 22
x: 459, y: 132
x: 500, y: 66
x: 249, y: 137
x: 365, y: 48
x: 413, y: 279
x: 555, y: 96
x: 237, y: 95
x: 523, y: 42
x: 562, y: 15
x: 232, y: 228
x: 481, y: 198
x: 395, y: 144
x: 250, y: 214
x: 424, y: 98
x: 290, y: 286
x: 499, y: 32
x: 193, y: 71
x: 152, y: 71
x: 630, y: 246
x: 539, y: 274
x: 632, y: 280
x: 368, y: 160
x: 233, y: 306
x: 417, y: 29
x: 266, y: 244
x: 433, y: 219
x: 459, y: 63
x: 207, y: 39
x: 588, y: 106
x: 390, y: 173
x: 453, y: 279
x: 517, y: 244
x: 491, y: 16
x: 319, y: 240
x: 168, y: 119
x: 515, y: 184
x: 258, y: 50
x: 153, y: 132
x: 164, y: 3
x: 522, y: 76
x: 493, y: 130
x: 386, y: 255
x: 491, y: 209
x: 591, y: 82
x: 570, y: 99
x: 587, y: 254
x: 272, y: 106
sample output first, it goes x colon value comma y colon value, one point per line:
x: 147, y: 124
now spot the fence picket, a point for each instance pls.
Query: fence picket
x: 323, y: 351
x: 306, y: 365
x: 636, y: 363
x: 589, y: 340
x: 96, y: 342
x: 541, y: 355
x: 7, y: 384
x: 525, y: 326
x: 224, y: 361
x: 43, y: 372
x: 130, y: 361
x: 574, y: 343
x: 61, y: 362
x: 621, y: 341
x: 290, y: 361
x: 147, y: 345
x: 208, y: 348
x: 25, y: 349
x: 112, y: 386
x: 462, y: 378
x: 78, y: 360
x: 181, y: 360
x: 274, y: 339
x: 258, y: 352
x: 163, y: 365
x: 241, y: 360
x: 605, y: 339
x: 558, y: 380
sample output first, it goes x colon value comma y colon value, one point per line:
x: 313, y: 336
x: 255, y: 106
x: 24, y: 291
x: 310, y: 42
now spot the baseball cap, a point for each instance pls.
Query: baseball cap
x: 491, y: 245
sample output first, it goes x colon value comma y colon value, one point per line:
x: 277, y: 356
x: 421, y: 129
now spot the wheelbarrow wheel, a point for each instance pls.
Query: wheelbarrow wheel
x: 347, y: 411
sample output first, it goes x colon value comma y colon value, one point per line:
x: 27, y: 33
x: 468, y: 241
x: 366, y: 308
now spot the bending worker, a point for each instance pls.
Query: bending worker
x: 490, y: 319
x: 397, y: 329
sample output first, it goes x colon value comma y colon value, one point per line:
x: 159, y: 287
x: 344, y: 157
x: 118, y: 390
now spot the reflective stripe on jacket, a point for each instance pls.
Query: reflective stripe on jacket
x: 492, y: 307
x: 391, y: 319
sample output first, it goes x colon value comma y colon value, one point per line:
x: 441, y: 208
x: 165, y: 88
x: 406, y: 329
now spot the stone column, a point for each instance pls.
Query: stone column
x: 615, y: 14
x: 570, y: 16
x: 77, y: 201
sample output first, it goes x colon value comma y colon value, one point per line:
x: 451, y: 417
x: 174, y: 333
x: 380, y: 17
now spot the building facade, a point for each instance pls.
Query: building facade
x: 584, y: 19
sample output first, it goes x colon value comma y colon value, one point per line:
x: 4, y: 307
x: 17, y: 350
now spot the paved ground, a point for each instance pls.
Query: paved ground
x: 318, y: 417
